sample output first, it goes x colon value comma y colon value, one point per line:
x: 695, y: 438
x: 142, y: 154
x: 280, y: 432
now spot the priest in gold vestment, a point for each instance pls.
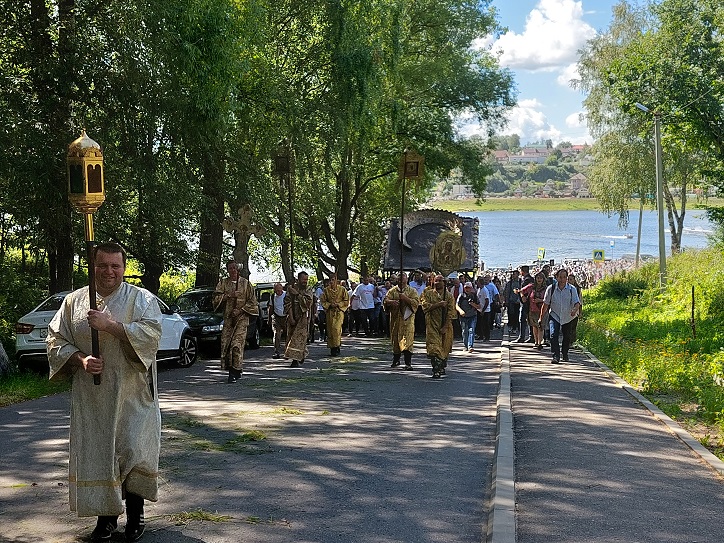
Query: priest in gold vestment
x: 439, y: 307
x: 298, y: 304
x: 335, y: 301
x: 402, y: 301
x: 240, y: 305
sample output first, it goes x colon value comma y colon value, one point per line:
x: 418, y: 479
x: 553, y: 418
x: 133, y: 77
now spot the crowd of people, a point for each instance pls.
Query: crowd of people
x: 529, y: 300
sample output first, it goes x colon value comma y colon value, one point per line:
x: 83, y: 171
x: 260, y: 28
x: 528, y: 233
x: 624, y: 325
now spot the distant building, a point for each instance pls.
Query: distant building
x: 462, y: 191
x: 502, y: 157
x: 577, y: 181
x: 535, y: 155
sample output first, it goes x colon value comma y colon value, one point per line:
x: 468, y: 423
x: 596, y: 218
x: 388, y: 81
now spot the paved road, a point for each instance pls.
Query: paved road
x: 353, y: 451
x: 593, y: 465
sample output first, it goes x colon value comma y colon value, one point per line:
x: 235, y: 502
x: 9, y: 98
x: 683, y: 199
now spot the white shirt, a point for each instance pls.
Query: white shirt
x: 353, y: 302
x: 318, y: 295
x: 561, y: 301
x: 483, y: 295
x: 279, y: 303
x: 419, y: 287
x: 365, y: 295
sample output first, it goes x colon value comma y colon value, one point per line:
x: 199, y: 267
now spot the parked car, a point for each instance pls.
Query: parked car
x: 177, y: 345
x: 197, y: 308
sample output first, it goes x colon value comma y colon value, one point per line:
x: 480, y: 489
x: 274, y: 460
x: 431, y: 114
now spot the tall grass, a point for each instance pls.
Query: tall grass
x: 648, y: 337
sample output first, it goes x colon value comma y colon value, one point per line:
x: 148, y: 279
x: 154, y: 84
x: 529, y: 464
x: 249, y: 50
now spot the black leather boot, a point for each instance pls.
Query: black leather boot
x: 408, y: 359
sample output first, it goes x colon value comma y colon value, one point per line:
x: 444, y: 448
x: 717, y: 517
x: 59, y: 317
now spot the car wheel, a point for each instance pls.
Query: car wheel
x: 188, y: 351
x: 254, y: 339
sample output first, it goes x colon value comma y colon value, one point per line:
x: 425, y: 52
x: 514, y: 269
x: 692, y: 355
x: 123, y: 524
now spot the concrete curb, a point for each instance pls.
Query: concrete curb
x: 709, y: 458
x: 501, y: 520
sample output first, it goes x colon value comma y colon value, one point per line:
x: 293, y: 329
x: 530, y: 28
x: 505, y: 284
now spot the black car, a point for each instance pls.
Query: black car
x: 197, y: 308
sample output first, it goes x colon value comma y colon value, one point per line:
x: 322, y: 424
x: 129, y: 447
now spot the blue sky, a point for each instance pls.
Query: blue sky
x: 540, y: 48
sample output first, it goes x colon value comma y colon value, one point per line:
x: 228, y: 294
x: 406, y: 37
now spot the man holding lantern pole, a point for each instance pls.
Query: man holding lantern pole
x: 115, y: 425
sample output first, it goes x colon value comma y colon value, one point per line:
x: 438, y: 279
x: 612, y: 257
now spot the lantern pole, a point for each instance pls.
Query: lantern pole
x: 412, y: 166
x: 86, y: 192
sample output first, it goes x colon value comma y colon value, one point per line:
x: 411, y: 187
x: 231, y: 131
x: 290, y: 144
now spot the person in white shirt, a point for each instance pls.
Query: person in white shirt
x: 354, y: 316
x: 484, y: 311
x: 321, y: 315
x: 277, y: 319
x: 561, y: 302
x: 365, y: 295
x: 494, y: 300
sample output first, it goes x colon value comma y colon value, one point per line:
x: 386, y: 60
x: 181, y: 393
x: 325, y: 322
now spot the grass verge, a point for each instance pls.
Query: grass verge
x: 21, y: 387
x: 649, y: 338
x: 534, y: 204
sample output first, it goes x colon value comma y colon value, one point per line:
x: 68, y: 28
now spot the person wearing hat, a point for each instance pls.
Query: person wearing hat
x: 467, y: 306
x: 439, y: 308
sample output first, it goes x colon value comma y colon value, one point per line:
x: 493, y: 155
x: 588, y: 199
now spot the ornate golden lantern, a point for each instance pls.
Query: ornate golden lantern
x: 86, y: 192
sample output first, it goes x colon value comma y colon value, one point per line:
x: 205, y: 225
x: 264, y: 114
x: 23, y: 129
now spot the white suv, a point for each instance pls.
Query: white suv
x: 177, y: 344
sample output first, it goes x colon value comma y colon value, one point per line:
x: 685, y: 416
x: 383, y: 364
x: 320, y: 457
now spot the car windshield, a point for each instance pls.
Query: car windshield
x: 52, y: 304
x: 195, y: 301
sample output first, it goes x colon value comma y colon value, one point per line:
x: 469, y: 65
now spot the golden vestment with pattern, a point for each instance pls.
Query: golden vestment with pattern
x: 237, y: 312
x: 335, y: 301
x: 402, y: 319
x: 438, y: 321
x: 298, y: 310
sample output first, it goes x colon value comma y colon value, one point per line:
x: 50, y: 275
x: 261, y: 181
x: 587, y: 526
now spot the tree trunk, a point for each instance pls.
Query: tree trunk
x: 212, y: 233
x: 4, y: 362
x: 241, y: 253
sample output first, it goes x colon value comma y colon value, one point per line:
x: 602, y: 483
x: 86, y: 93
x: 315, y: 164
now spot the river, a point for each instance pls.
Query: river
x: 514, y: 237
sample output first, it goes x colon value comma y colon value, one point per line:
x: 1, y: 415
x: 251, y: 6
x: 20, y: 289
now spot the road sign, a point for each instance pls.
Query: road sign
x: 541, y: 253
x: 613, y: 243
x: 599, y: 255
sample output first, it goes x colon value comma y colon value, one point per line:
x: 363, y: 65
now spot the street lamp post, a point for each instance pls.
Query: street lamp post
x: 659, y: 191
x: 86, y: 192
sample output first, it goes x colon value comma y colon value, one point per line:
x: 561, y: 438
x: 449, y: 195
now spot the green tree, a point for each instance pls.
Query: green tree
x: 664, y: 55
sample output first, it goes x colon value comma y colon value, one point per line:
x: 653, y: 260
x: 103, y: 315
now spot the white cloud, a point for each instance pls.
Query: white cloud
x: 531, y: 124
x: 575, y: 120
x: 525, y: 119
x: 554, y: 31
x: 567, y: 74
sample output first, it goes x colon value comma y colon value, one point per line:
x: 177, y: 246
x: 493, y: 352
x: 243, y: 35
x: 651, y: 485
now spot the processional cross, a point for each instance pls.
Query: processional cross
x: 243, y: 229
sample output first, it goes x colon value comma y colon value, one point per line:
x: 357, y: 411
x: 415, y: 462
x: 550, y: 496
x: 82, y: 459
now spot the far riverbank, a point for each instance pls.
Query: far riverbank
x: 542, y: 204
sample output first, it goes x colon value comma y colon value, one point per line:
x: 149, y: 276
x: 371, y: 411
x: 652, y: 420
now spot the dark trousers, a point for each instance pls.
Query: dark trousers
x: 322, y: 323
x: 484, y: 325
x: 366, y: 319
x: 556, y: 330
x: 523, y: 324
x: 354, y: 320
x: 513, y: 316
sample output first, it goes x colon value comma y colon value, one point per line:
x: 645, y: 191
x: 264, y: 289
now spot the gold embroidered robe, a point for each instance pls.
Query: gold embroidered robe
x: 438, y: 323
x: 237, y: 313
x: 115, y: 427
x: 335, y: 302
x: 402, y: 319
x: 298, y: 310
